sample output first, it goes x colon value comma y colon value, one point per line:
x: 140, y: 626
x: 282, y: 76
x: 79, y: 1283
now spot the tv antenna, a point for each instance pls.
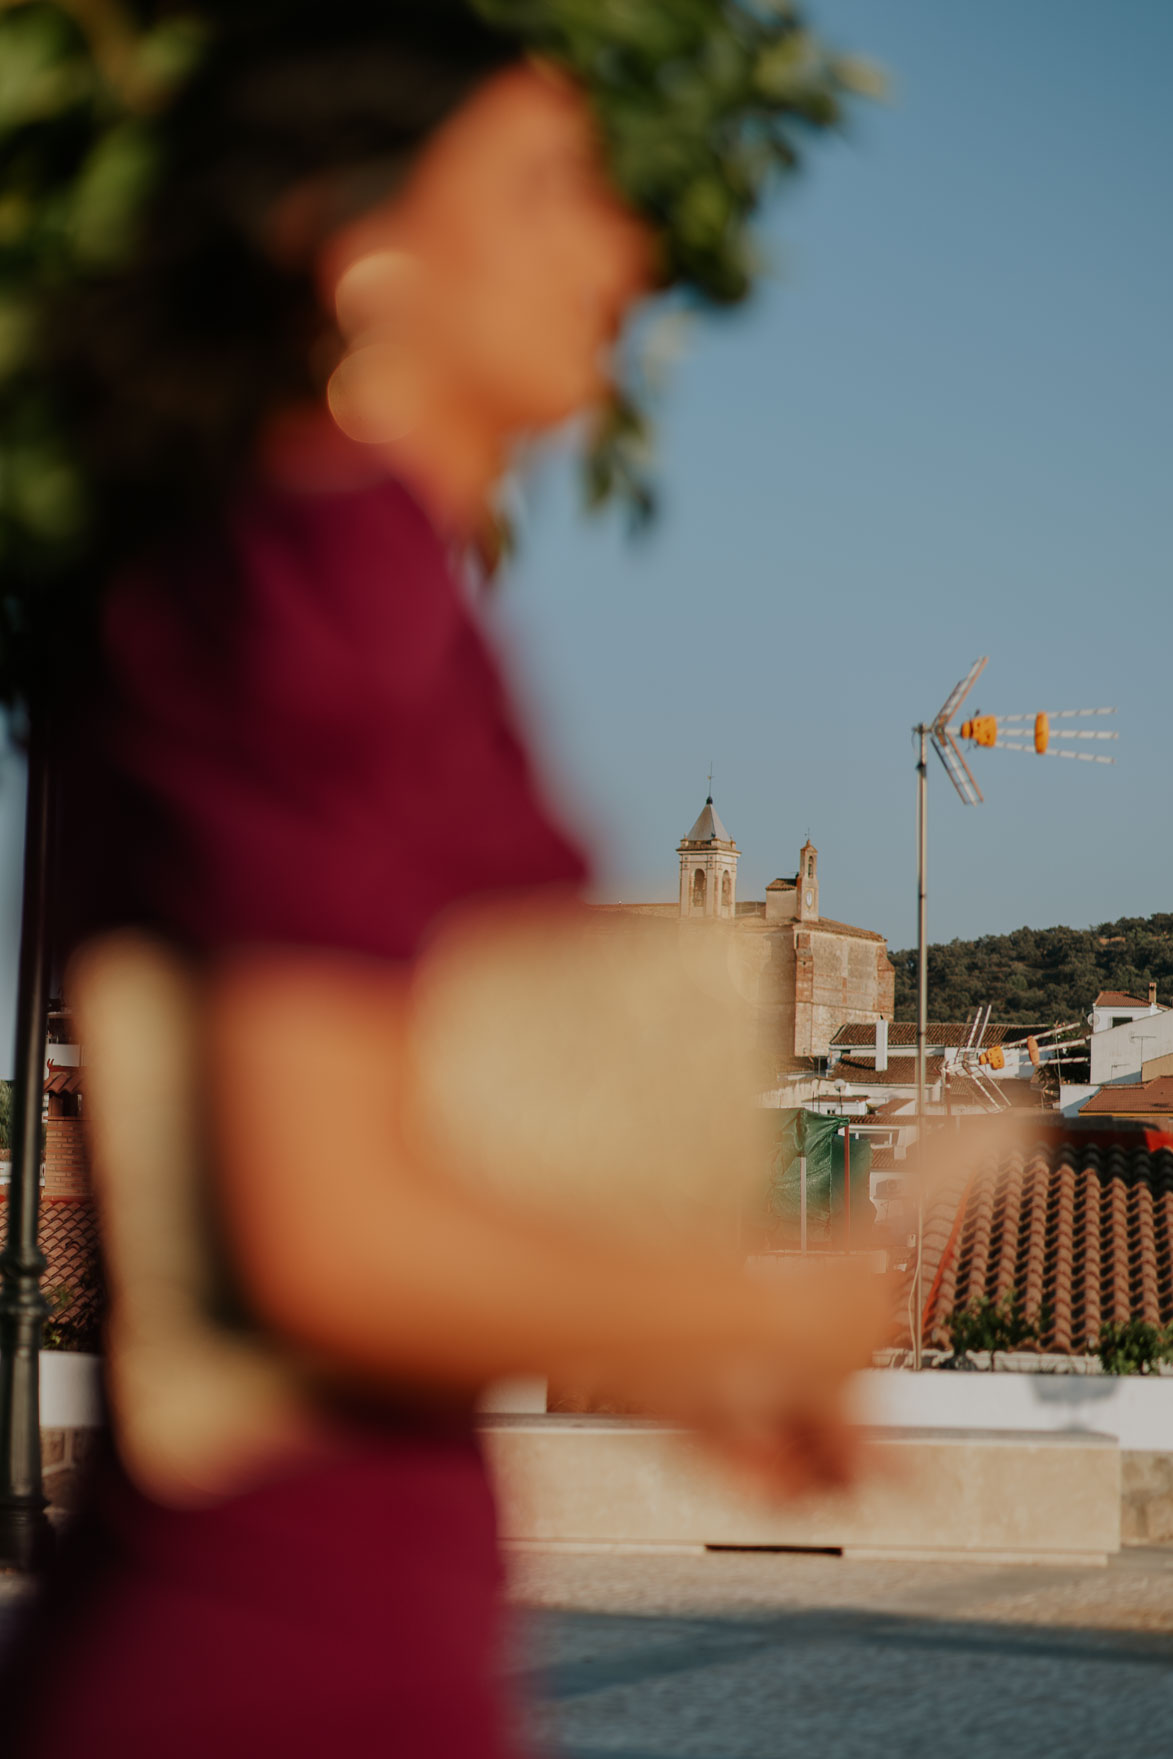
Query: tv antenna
x: 979, y: 732
x: 1006, y: 733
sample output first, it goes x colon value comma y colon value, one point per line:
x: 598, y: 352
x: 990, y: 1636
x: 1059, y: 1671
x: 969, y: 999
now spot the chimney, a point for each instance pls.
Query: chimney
x: 881, y: 1046
x: 1152, y: 995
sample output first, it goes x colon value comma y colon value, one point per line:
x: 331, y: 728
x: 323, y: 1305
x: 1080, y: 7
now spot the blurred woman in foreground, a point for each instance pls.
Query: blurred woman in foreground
x: 388, y: 248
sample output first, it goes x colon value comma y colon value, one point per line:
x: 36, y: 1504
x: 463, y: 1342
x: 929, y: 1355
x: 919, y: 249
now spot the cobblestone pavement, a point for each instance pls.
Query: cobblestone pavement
x: 758, y: 1656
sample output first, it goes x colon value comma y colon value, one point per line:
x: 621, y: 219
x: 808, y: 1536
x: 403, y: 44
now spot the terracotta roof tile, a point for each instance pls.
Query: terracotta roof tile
x: 67, y: 1234
x: 62, y: 1080
x: 964, y: 1090
x: 1082, y: 1230
x: 749, y: 915
x: 892, y: 1111
x: 761, y: 924
x: 830, y: 926
x: 1118, y: 998
x: 1145, y: 1099
x: 951, y: 1034
x: 900, y: 1074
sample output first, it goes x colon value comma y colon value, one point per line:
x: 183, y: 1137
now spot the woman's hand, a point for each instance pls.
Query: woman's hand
x: 775, y: 1404
x: 388, y: 1269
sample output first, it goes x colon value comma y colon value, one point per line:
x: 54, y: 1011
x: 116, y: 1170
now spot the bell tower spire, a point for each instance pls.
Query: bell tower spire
x: 708, y: 868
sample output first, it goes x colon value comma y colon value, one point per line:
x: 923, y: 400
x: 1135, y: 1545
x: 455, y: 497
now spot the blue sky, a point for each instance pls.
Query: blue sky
x: 944, y: 429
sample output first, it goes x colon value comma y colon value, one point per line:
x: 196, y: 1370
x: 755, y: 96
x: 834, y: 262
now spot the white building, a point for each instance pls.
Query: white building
x: 1113, y: 1008
x: 1128, y: 1037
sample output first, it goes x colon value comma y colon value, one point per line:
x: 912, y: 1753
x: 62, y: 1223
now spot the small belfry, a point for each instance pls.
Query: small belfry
x: 807, y: 882
x: 708, y: 868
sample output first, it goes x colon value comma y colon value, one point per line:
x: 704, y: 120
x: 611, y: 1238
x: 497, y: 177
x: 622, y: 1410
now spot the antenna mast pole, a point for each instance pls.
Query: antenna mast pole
x: 922, y: 1015
x: 979, y: 730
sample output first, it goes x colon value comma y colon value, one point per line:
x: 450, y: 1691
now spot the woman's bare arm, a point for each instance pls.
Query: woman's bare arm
x: 383, y: 1266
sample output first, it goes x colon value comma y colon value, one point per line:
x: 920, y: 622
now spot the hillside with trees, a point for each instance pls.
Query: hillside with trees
x: 1041, y: 976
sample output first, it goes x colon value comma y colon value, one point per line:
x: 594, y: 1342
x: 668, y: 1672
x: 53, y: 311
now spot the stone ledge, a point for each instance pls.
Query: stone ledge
x: 63, y: 1454
x: 957, y: 1493
x: 1146, y: 1489
x: 1146, y: 1498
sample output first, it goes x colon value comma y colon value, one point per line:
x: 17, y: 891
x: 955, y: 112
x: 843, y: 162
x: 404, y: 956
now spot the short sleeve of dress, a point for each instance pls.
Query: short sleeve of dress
x: 302, y: 737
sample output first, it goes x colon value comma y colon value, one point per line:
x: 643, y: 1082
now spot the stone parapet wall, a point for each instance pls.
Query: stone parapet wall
x: 1146, y: 1498
x: 1028, y: 1497
x: 64, y: 1453
x: 1146, y: 1484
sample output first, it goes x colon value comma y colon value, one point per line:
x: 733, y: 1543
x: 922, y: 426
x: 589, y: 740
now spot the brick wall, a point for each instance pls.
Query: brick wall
x: 850, y: 979
x: 65, y: 1158
x: 805, y: 982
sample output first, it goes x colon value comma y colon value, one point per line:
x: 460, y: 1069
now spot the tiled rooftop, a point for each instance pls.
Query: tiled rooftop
x: 68, y: 1236
x: 1148, y: 1099
x: 62, y: 1080
x: 892, y: 1111
x: 950, y: 1035
x: 750, y: 915
x: 1118, y: 998
x: 963, y: 1089
x: 818, y: 924
x: 901, y: 1073
x: 1082, y: 1230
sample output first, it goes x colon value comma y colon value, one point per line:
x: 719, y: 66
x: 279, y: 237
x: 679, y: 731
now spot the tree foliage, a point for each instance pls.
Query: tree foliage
x: 1136, y: 1347
x: 1044, y: 976
x: 986, y: 1326
x: 703, y: 106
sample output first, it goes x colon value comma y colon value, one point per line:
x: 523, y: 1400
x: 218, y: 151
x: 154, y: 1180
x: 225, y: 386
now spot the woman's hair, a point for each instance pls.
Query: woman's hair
x: 162, y: 369
x: 170, y: 366
x: 146, y: 337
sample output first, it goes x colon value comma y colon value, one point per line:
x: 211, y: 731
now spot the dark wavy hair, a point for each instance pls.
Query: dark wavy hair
x: 164, y: 369
x: 144, y: 338
x: 173, y: 364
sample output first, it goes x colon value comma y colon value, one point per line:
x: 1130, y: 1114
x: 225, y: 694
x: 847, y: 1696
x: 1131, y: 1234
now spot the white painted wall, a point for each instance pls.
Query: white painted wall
x: 1073, y: 1095
x: 1136, y: 1409
x: 62, y: 1056
x: 1120, y: 1053
x: 1101, y: 1018
x: 70, y: 1394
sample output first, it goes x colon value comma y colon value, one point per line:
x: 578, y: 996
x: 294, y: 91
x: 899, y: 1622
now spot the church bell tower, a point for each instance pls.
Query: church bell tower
x: 808, y: 883
x: 708, y: 869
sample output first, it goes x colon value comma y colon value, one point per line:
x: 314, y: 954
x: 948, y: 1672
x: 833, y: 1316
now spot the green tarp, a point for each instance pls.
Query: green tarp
x: 799, y: 1134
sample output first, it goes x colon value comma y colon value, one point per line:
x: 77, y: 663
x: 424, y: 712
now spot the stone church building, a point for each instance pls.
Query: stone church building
x: 805, y: 974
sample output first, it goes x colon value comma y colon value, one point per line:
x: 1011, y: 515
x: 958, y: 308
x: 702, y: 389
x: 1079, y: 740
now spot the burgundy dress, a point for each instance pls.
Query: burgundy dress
x: 304, y: 742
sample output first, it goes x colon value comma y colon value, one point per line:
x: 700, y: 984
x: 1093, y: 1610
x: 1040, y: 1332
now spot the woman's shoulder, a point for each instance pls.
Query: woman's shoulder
x: 295, y: 711
x: 293, y: 603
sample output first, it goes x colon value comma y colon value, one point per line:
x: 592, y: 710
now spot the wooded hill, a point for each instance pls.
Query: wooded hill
x: 1044, y: 976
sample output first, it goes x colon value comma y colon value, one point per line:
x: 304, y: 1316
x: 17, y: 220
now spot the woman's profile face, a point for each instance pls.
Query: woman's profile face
x: 511, y: 261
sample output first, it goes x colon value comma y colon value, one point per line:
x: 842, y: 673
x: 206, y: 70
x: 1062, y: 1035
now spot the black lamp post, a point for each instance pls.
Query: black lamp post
x: 25, y: 1533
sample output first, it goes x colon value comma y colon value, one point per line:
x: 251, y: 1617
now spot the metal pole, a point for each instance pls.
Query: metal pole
x: 922, y: 1016
x: 802, y: 1202
x: 25, y: 1534
x: 847, y: 1186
